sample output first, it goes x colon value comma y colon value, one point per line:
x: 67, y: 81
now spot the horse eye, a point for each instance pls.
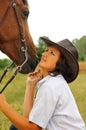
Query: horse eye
x: 26, y: 13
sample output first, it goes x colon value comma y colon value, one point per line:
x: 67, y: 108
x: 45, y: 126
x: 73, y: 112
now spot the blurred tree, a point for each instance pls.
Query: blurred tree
x: 40, y: 47
x: 4, y: 63
x: 81, y: 47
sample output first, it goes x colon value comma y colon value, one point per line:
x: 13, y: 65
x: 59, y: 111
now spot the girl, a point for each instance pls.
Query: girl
x: 54, y: 107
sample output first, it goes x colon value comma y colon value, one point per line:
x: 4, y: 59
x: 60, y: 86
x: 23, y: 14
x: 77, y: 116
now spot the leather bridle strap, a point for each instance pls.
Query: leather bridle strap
x: 19, y: 21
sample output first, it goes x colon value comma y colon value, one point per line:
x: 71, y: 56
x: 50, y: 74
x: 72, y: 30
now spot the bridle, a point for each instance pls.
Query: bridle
x: 23, y: 47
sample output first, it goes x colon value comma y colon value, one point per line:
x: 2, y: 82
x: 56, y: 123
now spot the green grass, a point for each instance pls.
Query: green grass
x: 15, y: 93
x: 78, y: 88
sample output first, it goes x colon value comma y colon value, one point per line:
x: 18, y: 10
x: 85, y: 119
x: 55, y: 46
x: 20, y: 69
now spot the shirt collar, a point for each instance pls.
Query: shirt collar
x: 39, y: 84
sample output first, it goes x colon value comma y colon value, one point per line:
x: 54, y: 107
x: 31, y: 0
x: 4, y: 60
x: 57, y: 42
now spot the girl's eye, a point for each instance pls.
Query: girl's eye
x: 52, y: 53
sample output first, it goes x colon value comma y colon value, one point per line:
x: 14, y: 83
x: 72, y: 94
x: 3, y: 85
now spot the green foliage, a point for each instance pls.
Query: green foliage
x: 81, y: 47
x: 40, y: 48
x: 4, y: 63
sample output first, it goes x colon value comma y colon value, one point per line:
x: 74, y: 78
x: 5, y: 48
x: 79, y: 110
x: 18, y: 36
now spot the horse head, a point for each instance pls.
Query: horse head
x: 15, y: 39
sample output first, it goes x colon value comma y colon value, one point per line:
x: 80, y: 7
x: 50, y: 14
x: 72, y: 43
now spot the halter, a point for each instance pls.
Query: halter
x: 23, y: 41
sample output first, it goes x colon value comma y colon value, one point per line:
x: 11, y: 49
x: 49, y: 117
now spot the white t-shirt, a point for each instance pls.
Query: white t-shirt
x: 54, y: 107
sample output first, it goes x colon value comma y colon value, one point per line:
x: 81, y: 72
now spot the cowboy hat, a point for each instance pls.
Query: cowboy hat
x: 70, y: 53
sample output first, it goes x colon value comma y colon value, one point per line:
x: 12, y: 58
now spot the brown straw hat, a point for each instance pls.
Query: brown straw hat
x: 70, y: 53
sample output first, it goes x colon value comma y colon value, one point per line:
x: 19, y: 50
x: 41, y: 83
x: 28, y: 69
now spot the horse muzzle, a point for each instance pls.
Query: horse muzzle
x: 29, y: 66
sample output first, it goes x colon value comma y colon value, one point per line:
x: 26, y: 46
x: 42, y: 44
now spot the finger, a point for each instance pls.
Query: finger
x: 33, y: 73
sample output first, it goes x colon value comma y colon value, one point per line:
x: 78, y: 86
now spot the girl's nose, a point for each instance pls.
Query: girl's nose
x: 44, y: 54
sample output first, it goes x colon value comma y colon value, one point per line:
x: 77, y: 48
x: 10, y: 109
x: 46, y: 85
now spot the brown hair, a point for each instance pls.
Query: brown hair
x: 62, y: 68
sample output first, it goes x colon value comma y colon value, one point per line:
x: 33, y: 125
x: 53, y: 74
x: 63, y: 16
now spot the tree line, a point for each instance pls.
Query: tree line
x: 81, y: 47
x: 80, y: 44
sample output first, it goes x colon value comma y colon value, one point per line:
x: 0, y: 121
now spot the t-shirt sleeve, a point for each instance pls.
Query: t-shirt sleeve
x: 43, y: 107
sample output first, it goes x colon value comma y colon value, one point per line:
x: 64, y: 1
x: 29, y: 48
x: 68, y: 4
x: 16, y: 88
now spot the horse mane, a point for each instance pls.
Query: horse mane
x: 25, y: 2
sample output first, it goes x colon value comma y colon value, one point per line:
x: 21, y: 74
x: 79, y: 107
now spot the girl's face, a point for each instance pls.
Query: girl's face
x: 49, y: 58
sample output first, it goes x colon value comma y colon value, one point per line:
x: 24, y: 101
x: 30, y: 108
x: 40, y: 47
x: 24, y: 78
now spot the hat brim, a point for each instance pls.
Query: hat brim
x: 71, y: 60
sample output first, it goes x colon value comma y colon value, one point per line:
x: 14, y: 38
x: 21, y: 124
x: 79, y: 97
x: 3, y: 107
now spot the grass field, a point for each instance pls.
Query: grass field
x: 15, y: 93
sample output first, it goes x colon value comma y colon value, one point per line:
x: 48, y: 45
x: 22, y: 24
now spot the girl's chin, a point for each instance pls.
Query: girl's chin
x: 40, y: 64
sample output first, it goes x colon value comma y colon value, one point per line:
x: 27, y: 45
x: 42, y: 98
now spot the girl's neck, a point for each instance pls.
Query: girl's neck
x: 43, y: 72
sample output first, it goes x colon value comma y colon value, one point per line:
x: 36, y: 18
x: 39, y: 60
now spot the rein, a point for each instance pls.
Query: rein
x: 23, y: 48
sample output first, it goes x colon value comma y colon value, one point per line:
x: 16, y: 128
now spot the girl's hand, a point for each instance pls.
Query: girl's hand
x: 33, y: 78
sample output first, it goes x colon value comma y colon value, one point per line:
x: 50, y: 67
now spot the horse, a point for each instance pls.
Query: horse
x: 15, y: 39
